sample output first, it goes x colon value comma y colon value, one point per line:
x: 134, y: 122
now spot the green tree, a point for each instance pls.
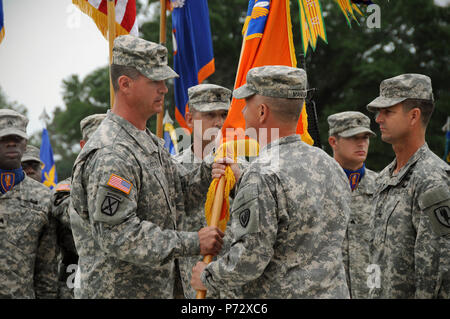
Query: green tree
x: 81, y: 99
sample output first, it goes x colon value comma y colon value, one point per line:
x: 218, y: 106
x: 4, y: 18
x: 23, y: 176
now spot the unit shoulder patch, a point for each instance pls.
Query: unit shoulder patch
x: 110, y: 204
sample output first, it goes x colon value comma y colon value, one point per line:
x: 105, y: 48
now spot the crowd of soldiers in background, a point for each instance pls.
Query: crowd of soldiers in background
x: 129, y: 222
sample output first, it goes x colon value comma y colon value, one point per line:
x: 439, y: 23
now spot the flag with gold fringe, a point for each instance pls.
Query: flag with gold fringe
x: 125, y: 10
x: 312, y: 23
x: 2, y: 23
x: 267, y: 41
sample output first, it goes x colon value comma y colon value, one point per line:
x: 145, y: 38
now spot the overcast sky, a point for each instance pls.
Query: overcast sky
x: 47, y: 41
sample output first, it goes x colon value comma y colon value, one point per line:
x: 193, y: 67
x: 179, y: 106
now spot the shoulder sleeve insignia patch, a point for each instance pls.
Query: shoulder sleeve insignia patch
x: 110, y: 205
x: 244, y: 217
x: 119, y: 183
x: 443, y: 215
x: 436, y: 204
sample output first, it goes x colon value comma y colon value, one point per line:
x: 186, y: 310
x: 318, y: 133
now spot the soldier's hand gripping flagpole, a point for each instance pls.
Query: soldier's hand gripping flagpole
x: 218, y: 194
x: 216, y: 212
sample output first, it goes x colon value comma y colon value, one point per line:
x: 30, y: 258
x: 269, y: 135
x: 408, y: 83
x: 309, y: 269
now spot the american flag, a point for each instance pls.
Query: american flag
x: 119, y: 183
x: 126, y: 22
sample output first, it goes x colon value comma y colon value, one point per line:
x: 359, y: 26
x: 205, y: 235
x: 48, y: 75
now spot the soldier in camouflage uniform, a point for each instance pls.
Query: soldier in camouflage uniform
x: 28, y: 250
x: 127, y: 191
x: 208, y: 109
x: 410, y: 249
x: 291, y: 211
x: 31, y: 163
x: 349, y: 135
x: 60, y: 206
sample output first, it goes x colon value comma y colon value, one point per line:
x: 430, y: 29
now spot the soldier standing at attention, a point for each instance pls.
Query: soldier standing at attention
x: 28, y: 250
x: 290, y: 212
x: 31, y: 163
x: 349, y: 135
x: 127, y: 191
x: 60, y: 206
x: 411, y: 217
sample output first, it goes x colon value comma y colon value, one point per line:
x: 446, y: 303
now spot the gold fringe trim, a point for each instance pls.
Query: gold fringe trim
x: 100, y: 19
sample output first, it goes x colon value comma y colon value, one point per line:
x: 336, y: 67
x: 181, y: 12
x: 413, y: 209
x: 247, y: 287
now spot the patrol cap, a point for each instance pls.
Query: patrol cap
x: 89, y: 124
x: 347, y: 124
x: 147, y: 57
x: 209, y: 97
x: 277, y: 81
x: 13, y: 123
x: 399, y: 88
x: 32, y: 153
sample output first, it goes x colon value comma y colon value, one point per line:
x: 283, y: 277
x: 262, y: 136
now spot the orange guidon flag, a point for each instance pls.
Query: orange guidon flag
x: 267, y: 41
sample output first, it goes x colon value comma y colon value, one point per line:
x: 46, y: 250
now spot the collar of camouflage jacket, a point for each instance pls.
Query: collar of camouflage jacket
x: 145, y: 139
x: 279, y: 142
x: 386, y: 177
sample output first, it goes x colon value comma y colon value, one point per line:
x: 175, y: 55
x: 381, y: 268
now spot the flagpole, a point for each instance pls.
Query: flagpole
x: 215, y: 218
x: 162, y: 40
x: 111, y: 37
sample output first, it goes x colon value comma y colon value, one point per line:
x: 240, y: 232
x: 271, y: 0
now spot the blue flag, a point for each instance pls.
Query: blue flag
x: 2, y: 25
x: 193, y: 53
x: 49, y: 176
x: 170, y: 137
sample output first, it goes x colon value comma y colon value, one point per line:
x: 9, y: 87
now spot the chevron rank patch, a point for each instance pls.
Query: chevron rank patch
x: 119, y: 183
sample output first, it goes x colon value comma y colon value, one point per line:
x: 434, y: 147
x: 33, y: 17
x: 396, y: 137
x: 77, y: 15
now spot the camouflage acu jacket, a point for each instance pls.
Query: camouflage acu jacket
x: 69, y: 255
x: 28, y: 250
x: 289, y: 219
x: 127, y: 193
x: 410, y: 226
x: 356, y: 243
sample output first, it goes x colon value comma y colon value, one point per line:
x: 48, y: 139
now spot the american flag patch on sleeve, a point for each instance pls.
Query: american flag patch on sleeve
x: 119, y: 183
x: 62, y: 188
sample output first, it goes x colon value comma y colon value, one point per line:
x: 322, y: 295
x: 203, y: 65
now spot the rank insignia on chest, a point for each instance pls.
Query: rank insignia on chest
x: 7, y: 181
x: 443, y: 215
x: 110, y: 205
x: 244, y: 217
x: 119, y: 183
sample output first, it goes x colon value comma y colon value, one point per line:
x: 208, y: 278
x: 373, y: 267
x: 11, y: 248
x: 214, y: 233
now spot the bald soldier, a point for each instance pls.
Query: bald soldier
x: 60, y: 206
x: 32, y: 164
x: 127, y: 191
x: 410, y: 249
x: 349, y: 134
x: 290, y: 212
x: 208, y: 109
x: 28, y: 265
